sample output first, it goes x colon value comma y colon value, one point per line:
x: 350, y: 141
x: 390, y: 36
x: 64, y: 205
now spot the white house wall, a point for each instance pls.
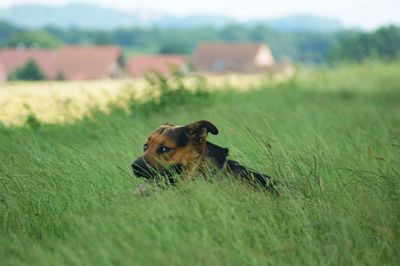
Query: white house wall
x: 264, y: 57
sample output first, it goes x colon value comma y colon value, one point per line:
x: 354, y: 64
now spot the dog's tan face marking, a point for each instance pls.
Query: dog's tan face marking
x: 163, y: 149
x: 183, y: 146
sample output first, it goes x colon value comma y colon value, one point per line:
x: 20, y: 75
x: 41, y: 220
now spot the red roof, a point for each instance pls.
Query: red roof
x: 12, y: 58
x: 164, y: 64
x: 88, y: 62
x: 73, y: 62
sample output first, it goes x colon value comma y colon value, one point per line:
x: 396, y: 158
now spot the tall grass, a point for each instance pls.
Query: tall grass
x: 67, y: 195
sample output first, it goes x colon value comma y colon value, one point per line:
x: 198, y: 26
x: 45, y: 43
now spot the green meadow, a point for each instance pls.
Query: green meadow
x: 330, y: 137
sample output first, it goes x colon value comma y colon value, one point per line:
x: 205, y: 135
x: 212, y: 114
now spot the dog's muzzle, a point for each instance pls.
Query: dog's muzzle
x: 141, y: 169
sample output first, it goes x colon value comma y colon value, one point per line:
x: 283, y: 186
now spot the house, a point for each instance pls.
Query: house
x: 139, y: 66
x: 68, y: 62
x: 13, y: 58
x: 3, y: 73
x: 88, y: 62
x: 233, y: 57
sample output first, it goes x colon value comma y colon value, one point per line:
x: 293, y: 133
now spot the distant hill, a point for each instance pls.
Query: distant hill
x: 305, y: 22
x: 89, y: 16
x: 79, y: 15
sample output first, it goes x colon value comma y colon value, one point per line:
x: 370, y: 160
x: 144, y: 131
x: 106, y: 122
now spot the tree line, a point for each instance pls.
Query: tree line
x: 304, y: 47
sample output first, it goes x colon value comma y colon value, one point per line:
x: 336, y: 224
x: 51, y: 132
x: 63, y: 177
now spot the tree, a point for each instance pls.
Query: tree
x: 34, y: 39
x: 29, y: 71
x: 175, y: 46
x: 102, y: 37
x: 234, y: 33
x: 384, y: 43
x: 6, y: 31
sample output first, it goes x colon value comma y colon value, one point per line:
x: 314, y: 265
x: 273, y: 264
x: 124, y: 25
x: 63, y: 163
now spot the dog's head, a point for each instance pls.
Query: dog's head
x: 172, y: 148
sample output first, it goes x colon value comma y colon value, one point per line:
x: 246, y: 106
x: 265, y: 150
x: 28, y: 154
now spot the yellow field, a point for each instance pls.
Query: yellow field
x: 55, y: 102
x: 66, y: 101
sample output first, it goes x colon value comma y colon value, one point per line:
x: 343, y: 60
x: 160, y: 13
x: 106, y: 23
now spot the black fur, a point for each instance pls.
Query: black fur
x: 180, y: 135
x: 141, y: 169
x: 219, y: 156
x: 250, y: 176
x: 210, y: 127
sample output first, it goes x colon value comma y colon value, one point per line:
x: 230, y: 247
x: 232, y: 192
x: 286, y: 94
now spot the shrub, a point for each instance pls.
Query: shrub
x: 32, y: 122
x: 167, y: 93
x: 60, y: 76
x: 29, y: 71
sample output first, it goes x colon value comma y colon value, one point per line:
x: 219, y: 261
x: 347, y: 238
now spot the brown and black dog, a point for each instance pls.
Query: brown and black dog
x: 184, y: 150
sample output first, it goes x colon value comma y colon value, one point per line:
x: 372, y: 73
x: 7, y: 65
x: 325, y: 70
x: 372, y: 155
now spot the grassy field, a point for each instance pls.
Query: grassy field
x: 330, y: 137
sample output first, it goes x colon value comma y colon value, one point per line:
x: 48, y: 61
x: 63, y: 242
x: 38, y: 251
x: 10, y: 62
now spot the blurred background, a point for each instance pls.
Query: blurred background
x: 307, y: 33
x: 126, y: 40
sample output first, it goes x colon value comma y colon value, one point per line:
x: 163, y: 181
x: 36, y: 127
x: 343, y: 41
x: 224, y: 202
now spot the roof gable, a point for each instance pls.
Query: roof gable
x: 220, y: 56
x: 164, y: 64
x: 228, y: 51
x: 87, y: 62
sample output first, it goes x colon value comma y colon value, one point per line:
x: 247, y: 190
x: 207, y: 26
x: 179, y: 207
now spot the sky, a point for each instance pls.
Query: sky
x: 367, y: 14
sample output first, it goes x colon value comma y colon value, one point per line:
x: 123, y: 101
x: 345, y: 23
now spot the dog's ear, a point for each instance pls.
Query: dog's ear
x: 199, y: 130
x: 168, y: 124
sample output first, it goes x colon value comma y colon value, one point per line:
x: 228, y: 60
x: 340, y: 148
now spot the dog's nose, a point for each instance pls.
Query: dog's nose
x: 140, y: 168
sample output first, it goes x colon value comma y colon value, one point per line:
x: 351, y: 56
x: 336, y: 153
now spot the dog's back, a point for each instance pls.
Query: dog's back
x: 249, y: 175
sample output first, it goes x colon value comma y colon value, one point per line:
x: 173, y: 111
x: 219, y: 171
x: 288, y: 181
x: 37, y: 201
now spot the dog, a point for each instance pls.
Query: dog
x: 184, y: 150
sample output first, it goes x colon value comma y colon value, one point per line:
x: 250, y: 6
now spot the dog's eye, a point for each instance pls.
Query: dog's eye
x: 164, y: 149
x: 145, y: 146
